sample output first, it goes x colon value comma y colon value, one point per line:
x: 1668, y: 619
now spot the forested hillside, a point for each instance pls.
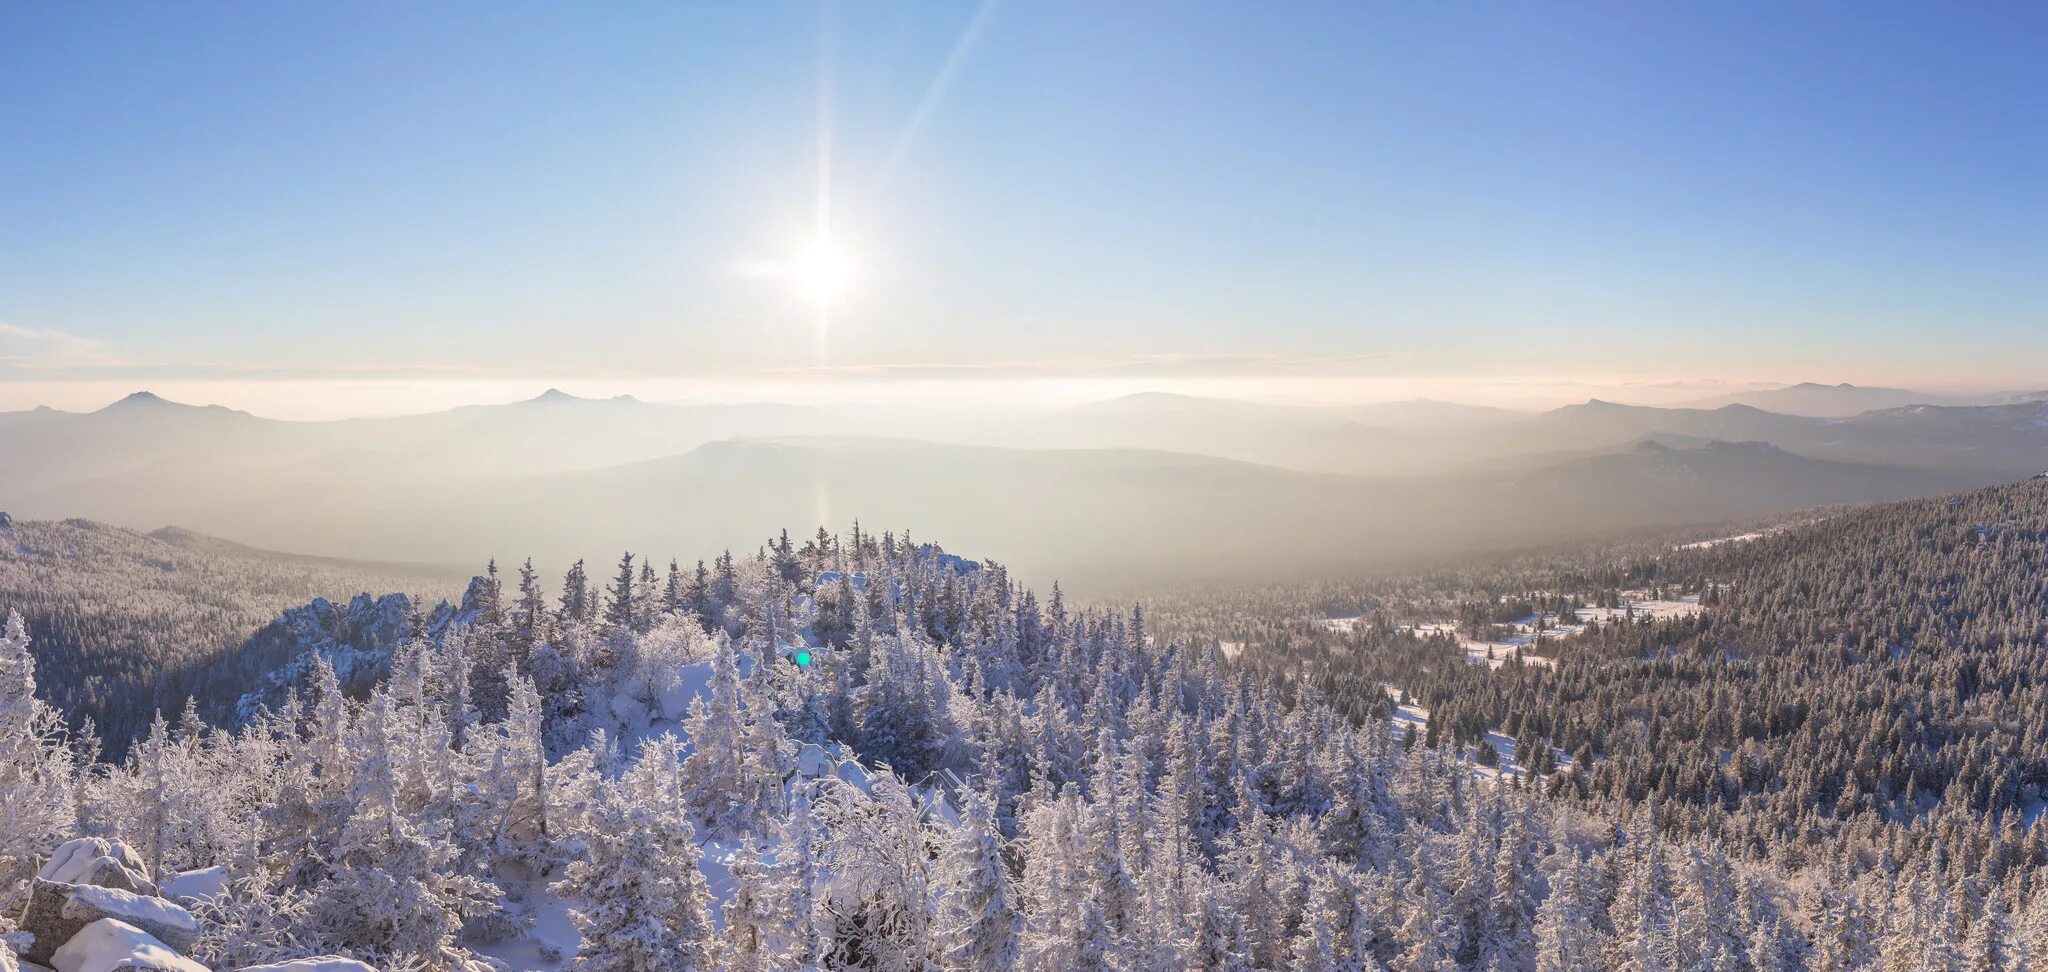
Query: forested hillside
x: 1870, y: 684
x: 125, y: 623
x: 857, y: 753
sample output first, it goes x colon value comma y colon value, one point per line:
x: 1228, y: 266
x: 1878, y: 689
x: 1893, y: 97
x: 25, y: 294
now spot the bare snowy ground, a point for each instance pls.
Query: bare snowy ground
x: 1528, y: 633
x: 1494, y: 654
x: 1717, y: 541
x: 1746, y: 537
x: 1411, y: 718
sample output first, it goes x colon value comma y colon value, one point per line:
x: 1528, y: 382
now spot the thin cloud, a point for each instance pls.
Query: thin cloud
x: 43, y: 348
x: 1221, y: 365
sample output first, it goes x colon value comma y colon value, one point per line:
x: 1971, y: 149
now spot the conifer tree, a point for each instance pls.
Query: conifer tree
x: 715, y: 775
x: 645, y: 904
x: 35, y: 767
x: 1568, y: 935
x: 981, y: 919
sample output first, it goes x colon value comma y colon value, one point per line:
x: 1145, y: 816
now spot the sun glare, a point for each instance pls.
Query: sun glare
x: 821, y: 271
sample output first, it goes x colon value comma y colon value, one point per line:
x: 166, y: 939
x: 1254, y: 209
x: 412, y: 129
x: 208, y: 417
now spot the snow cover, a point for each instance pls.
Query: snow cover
x: 551, y: 940
x: 318, y: 963
x: 1412, y: 718
x: 1525, y: 635
x: 109, y: 944
x: 1494, y: 654
x: 75, y: 861
x: 1717, y: 541
x: 195, y: 885
x: 135, y: 908
x: 954, y: 562
x: 1747, y: 537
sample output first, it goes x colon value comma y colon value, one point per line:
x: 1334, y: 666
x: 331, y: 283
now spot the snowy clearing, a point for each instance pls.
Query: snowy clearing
x: 1412, y: 718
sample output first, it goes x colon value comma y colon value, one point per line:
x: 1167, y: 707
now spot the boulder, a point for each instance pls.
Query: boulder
x: 57, y: 912
x: 111, y: 945
x: 108, y: 864
x: 812, y: 763
x: 318, y: 963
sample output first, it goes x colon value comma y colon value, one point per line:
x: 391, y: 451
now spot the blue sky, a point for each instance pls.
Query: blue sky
x: 1342, y: 200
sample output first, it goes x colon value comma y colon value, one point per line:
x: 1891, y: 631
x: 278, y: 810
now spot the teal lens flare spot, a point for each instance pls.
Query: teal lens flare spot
x: 803, y: 658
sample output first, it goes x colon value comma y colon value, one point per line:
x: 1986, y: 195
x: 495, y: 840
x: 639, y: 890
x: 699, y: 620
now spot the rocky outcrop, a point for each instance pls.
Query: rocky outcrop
x: 58, y: 912
x: 106, y: 864
x: 112, y: 945
x: 94, y: 908
x: 356, y: 639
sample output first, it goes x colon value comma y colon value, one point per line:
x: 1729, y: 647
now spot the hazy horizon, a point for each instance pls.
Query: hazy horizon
x: 302, y: 401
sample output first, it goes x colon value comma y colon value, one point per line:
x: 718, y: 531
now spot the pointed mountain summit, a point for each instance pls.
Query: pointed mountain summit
x: 151, y: 403
x: 141, y: 399
x: 558, y: 395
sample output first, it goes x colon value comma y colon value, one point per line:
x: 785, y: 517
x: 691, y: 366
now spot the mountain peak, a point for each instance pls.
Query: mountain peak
x: 558, y: 395
x: 142, y: 399
x: 148, y: 402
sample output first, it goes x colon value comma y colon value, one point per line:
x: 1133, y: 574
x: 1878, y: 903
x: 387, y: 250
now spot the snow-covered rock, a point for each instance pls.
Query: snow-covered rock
x: 90, y: 860
x: 953, y: 562
x: 111, y: 945
x: 855, y: 775
x: 811, y: 761
x: 58, y: 912
x: 196, y: 885
x: 831, y: 578
x: 318, y: 963
x: 692, y: 682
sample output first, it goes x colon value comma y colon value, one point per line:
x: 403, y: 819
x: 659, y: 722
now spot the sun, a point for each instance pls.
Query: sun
x: 822, y: 271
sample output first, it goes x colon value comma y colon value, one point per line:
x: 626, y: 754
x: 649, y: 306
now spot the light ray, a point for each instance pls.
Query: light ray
x: 935, y: 92
x: 821, y: 328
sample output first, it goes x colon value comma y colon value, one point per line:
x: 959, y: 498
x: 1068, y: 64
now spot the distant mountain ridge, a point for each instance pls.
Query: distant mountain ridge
x: 1192, y: 486
x: 1086, y: 516
x: 1845, y: 400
